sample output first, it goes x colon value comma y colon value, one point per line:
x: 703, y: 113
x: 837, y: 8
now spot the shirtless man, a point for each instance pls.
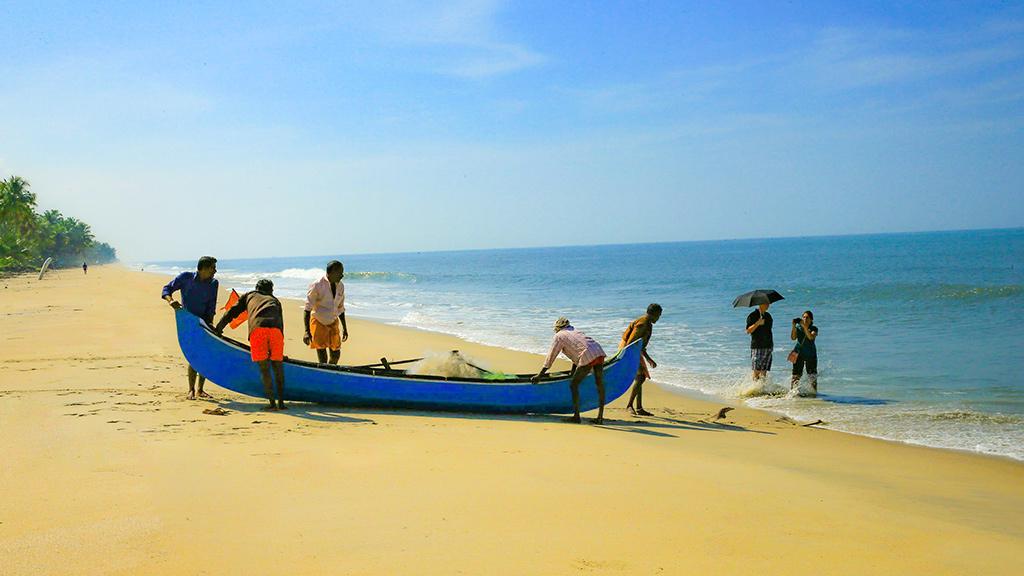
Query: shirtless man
x: 641, y: 329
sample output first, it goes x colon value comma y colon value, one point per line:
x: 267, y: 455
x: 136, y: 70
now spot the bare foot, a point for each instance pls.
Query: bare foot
x: 573, y: 419
x: 597, y: 421
x: 204, y: 395
x: 270, y: 408
x: 642, y: 412
x: 192, y: 395
x: 631, y: 410
x: 281, y: 406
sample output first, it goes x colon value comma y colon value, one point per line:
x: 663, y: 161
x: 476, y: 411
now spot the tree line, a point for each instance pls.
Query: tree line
x: 28, y: 238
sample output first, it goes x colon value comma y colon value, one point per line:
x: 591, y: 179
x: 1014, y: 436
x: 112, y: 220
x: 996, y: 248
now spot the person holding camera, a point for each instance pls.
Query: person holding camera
x: 806, y: 354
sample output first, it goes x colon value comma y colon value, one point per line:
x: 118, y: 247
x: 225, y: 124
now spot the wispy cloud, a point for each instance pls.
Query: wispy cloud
x: 849, y: 58
x: 839, y: 69
x: 464, y: 37
x: 675, y: 88
x: 484, y: 60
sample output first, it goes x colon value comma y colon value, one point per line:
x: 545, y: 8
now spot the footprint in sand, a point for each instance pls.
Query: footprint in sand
x: 603, y: 565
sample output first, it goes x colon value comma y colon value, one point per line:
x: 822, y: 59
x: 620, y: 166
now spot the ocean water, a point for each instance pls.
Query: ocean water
x: 921, y: 335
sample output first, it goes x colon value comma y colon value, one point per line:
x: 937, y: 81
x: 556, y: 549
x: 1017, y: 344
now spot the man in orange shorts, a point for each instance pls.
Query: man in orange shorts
x: 641, y: 329
x: 266, y: 336
x: 325, y: 314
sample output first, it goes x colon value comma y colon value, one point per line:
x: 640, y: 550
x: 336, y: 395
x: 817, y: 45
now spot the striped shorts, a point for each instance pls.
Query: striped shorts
x: 761, y: 359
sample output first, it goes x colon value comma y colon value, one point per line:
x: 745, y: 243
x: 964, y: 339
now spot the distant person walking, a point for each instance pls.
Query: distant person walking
x: 586, y: 356
x: 805, y: 333
x: 199, y: 296
x: 641, y: 329
x: 85, y: 268
x: 759, y: 326
x: 325, y: 322
x: 266, y: 336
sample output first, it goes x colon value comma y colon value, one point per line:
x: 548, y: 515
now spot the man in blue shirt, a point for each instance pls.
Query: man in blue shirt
x: 199, y: 296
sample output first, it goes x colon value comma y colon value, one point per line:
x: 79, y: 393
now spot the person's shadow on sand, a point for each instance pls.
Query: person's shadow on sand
x: 653, y: 426
x: 657, y: 426
x: 317, y: 412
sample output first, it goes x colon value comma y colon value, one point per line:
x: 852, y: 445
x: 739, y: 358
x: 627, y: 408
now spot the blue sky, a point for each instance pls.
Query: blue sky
x: 315, y: 128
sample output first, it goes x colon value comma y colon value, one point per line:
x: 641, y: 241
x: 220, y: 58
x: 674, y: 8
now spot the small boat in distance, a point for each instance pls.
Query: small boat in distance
x: 227, y: 363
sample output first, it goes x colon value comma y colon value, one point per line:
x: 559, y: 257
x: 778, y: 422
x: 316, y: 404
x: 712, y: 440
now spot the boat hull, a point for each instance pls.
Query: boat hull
x: 229, y: 366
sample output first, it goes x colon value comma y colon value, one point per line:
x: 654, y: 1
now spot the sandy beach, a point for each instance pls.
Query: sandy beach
x: 109, y: 469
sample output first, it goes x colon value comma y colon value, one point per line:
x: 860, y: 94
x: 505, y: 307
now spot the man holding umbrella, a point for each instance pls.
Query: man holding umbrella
x: 759, y: 326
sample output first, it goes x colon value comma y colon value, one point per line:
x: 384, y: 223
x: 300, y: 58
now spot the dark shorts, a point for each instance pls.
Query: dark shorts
x: 761, y: 359
x: 812, y: 365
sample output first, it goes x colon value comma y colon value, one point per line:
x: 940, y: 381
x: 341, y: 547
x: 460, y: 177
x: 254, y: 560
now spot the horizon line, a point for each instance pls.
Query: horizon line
x: 602, y: 244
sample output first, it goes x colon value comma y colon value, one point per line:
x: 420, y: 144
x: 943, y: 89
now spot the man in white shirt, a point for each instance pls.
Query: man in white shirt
x: 586, y: 355
x: 325, y: 314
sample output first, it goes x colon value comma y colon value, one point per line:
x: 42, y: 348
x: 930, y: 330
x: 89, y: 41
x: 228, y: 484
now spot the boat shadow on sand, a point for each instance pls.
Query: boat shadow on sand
x: 659, y: 426
x: 306, y: 411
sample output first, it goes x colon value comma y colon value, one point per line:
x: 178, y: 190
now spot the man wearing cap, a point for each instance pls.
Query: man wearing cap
x: 266, y: 336
x: 586, y: 355
x: 325, y: 314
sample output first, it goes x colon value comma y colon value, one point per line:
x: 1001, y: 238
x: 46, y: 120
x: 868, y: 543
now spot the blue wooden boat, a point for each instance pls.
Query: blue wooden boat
x: 227, y: 363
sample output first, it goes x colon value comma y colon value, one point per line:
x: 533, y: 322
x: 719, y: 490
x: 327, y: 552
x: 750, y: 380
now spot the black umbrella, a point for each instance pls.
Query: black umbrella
x: 756, y: 297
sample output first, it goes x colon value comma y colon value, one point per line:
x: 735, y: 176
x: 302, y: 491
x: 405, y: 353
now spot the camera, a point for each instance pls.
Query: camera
x: 797, y: 320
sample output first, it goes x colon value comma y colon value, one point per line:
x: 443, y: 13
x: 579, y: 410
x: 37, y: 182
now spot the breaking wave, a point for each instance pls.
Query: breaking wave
x: 970, y: 416
x: 764, y: 387
x: 316, y: 273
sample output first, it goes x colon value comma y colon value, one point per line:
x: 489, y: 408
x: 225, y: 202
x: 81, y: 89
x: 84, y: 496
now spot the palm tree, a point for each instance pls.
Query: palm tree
x: 26, y: 238
x: 17, y: 207
x: 18, y: 223
x: 80, y: 238
x: 53, y: 233
x: 103, y: 253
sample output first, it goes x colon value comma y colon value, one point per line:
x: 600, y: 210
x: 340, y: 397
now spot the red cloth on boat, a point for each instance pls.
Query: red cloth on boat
x: 232, y: 300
